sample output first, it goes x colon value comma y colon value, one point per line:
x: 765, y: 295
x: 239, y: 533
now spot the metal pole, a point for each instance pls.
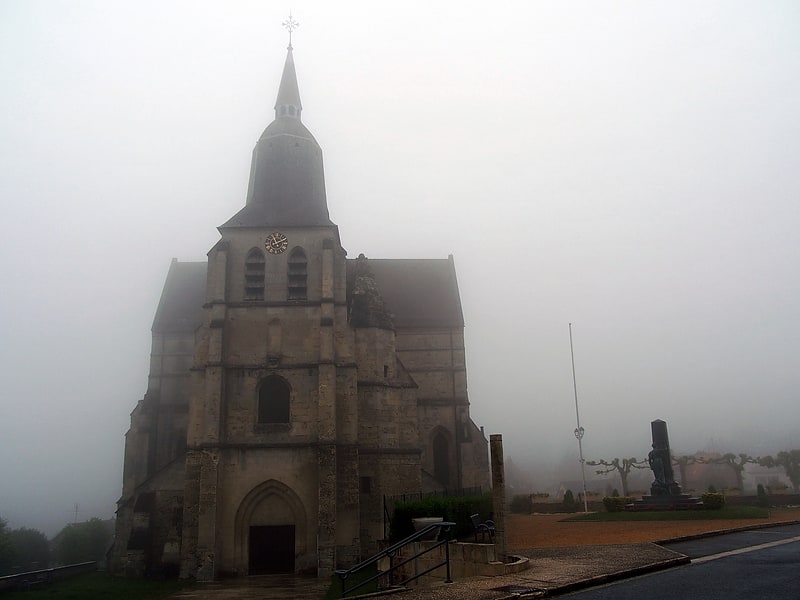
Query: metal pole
x: 447, y: 553
x: 579, y: 431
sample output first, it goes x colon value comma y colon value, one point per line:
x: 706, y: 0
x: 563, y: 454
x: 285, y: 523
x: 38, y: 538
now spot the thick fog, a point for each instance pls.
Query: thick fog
x: 630, y: 167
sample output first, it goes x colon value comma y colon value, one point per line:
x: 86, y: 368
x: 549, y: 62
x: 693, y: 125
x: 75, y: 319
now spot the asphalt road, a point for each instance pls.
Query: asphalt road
x: 763, y: 563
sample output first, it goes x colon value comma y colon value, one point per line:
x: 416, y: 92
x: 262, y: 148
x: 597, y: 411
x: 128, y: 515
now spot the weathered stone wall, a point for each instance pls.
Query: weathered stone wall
x: 269, y: 485
x: 155, y: 443
x: 241, y: 414
x: 364, y: 406
x: 149, y: 518
x: 466, y: 560
x: 243, y: 240
x: 435, y: 358
x: 475, y: 459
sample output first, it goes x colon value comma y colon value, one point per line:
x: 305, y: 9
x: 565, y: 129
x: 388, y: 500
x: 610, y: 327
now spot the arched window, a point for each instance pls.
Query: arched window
x: 273, y: 400
x: 441, y: 458
x: 298, y: 275
x: 254, y: 275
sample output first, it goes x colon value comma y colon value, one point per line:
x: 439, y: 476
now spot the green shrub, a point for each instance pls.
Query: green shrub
x: 569, y: 504
x: 616, y: 503
x: 457, y: 509
x: 521, y: 504
x: 762, y: 498
x: 713, y: 500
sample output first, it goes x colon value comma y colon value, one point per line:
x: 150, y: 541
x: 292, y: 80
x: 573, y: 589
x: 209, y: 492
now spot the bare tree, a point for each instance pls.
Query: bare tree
x: 736, y: 462
x: 682, y: 462
x: 790, y: 461
x: 622, y: 467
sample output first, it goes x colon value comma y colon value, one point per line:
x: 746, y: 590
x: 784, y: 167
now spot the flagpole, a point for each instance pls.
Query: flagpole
x: 579, y: 431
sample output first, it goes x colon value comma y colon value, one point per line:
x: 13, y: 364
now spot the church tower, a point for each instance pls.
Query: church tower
x: 292, y: 389
x: 271, y: 471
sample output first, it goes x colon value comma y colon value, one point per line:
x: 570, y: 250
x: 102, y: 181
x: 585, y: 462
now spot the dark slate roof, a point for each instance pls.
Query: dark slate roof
x: 180, y: 309
x: 287, y: 178
x: 288, y: 92
x: 417, y: 292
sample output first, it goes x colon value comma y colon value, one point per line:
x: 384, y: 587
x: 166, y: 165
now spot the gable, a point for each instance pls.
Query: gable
x: 418, y: 292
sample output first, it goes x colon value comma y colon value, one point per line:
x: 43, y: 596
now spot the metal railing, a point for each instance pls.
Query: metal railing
x: 30, y: 579
x: 389, y: 502
x: 392, y: 553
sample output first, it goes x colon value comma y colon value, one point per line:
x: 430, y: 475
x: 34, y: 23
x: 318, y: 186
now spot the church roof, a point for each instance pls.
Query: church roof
x: 417, y: 292
x: 180, y: 309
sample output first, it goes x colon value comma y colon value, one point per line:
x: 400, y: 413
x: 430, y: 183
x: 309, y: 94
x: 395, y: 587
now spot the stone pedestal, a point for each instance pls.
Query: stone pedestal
x: 665, y: 493
x: 672, y: 502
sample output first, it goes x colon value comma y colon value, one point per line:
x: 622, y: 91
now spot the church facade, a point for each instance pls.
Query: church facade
x: 291, y: 388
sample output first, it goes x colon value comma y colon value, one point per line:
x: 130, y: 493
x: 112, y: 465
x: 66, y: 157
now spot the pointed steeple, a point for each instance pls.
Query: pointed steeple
x: 287, y: 181
x: 288, y: 102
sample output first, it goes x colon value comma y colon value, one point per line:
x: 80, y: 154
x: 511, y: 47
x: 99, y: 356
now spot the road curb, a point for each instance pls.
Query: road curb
x: 610, y: 577
x: 700, y: 536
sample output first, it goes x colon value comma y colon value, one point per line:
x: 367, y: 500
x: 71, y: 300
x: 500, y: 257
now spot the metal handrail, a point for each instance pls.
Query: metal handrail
x: 392, y: 551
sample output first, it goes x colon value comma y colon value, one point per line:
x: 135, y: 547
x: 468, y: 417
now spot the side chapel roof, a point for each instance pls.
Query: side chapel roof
x: 180, y: 309
x: 417, y: 292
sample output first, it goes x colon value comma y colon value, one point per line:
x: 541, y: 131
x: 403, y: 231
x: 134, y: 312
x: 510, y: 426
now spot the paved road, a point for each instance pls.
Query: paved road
x: 756, y: 564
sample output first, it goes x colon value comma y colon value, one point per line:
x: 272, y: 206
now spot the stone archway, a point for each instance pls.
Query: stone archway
x: 271, y: 528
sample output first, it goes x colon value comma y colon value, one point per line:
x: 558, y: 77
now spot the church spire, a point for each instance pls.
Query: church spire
x: 288, y: 102
x: 287, y: 181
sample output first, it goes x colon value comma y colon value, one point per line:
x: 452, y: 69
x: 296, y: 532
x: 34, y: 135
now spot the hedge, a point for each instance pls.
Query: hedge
x: 457, y: 509
x: 617, y: 503
x: 713, y: 500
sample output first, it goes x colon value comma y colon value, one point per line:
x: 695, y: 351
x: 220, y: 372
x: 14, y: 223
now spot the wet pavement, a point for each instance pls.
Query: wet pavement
x: 552, y: 571
x: 556, y: 571
x: 272, y: 587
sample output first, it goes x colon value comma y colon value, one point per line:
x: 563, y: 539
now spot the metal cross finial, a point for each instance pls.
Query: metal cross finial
x: 290, y: 25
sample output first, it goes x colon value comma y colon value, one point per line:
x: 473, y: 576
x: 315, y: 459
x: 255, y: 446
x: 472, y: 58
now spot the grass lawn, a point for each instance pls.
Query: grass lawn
x: 727, y: 512
x: 101, y: 586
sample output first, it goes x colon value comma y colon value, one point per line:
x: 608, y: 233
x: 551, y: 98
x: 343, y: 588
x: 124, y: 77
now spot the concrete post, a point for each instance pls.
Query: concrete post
x: 498, y: 495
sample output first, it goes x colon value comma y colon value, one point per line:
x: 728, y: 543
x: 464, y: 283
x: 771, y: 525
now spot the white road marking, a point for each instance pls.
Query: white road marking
x: 703, y: 559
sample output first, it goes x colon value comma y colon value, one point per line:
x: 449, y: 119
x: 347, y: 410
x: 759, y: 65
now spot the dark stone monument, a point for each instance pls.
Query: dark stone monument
x: 665, y: 493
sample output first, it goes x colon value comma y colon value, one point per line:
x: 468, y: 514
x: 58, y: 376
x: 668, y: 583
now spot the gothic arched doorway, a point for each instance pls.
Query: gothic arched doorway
x: 270, y: 530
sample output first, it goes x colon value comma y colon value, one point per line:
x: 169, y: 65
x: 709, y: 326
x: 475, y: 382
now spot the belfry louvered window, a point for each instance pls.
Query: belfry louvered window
x: 254, y: 275
x: 297, y: 275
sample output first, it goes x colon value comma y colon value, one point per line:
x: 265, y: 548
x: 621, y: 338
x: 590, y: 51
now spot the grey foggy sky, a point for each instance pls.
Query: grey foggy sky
x: 630, y: 167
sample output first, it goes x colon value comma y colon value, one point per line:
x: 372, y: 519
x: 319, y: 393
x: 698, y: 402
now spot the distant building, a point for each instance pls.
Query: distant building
x: 705, y: 473
x: 291, y: 387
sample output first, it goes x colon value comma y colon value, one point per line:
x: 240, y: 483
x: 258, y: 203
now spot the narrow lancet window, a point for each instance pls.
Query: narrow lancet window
x: 254, y: 271
x: 297, y: 275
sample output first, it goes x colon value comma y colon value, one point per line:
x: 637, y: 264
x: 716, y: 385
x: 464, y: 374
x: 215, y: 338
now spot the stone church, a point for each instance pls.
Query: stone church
x: 291, y: 388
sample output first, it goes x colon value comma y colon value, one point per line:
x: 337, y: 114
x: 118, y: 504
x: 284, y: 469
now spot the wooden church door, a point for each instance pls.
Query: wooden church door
x: 271, y: 549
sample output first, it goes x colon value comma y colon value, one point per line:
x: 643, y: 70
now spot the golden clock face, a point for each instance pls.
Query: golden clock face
x: 276, y: 243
